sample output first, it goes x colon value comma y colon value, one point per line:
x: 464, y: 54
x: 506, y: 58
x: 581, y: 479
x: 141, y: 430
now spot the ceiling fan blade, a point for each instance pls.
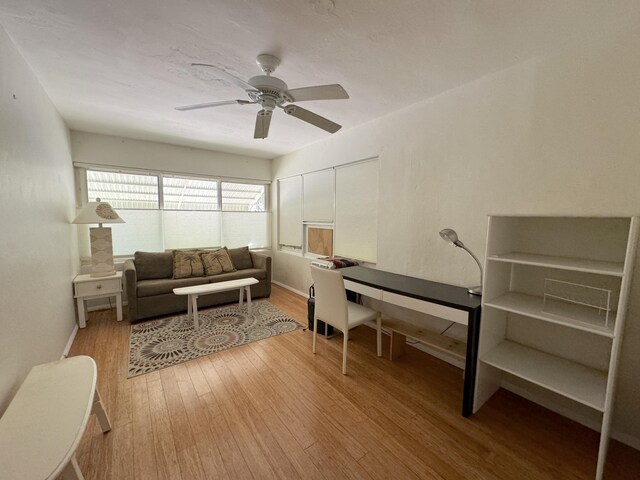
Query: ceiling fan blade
x: 312, y: 118
x: 224, y: 74
x: 213, y: 104
x: 319, y: 92
x: 263, y: 120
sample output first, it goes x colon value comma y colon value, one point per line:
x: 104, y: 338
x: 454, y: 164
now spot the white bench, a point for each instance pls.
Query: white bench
x: 244, y: 284
x: 42, y: 427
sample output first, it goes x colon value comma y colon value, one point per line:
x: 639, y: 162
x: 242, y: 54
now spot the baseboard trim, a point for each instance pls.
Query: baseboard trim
x: 287, y: 287
x: 67, y: 348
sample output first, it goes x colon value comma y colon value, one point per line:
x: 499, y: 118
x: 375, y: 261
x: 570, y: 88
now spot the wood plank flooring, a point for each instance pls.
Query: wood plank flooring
x: 272, y: 409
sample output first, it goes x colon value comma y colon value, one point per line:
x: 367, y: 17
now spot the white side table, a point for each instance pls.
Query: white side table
x: 86, y: 287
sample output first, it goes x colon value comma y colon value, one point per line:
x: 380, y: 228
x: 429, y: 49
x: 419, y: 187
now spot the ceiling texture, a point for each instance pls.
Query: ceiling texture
x: 119, y: 67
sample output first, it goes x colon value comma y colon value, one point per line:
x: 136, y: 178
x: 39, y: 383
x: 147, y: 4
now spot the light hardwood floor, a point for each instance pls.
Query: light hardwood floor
x: 272, y: 409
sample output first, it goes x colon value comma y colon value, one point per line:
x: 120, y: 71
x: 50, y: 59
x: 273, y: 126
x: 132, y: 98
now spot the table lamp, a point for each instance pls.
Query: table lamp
x: 101, y: 246
x: 451, y: 237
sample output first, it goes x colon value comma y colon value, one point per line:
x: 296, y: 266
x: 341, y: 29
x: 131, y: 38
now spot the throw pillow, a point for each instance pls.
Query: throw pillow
x: 241, y: 258
x: 187, y: 264
x: 211, y: 263
x: 151, y: 265
x: 217, y: 262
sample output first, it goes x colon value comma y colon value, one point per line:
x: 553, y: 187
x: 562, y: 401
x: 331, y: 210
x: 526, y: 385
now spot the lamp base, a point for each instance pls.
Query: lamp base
x: 475, y: 290
x: 101, y: 252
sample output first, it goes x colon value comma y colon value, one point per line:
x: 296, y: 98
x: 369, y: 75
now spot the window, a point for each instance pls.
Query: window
x: 189, y: 194
x: 243, y: 197
x: 123, y: 190
x: 317, y: 212
x: 166, y: 211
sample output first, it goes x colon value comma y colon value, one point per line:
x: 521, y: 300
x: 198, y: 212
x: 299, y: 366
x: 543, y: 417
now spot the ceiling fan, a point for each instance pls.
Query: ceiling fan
x: 271, y: 92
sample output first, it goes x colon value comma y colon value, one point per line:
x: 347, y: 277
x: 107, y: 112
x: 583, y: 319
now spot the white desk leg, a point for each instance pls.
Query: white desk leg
x: 82, y: 322
x: 194, y: 311
x: 72, y: 470
x: 248, y: 287
x: 119, y: 306
x: 189, y: 300
x: 101, y: 413
x: 241, y: 298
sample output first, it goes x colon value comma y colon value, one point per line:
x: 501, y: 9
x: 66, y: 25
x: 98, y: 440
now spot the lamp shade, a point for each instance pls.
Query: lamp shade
x: 449, y: 236
x: 97, y: 212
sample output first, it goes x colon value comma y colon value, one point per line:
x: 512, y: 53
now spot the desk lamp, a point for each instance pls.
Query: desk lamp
x: 451, y: 237
x: 101, y: 245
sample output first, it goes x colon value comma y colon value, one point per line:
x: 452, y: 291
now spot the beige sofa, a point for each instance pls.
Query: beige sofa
x: 150, y: 283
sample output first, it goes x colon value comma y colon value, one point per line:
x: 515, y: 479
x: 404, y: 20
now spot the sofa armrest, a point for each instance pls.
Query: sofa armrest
x: 131, y: 282
x: 260, y: 260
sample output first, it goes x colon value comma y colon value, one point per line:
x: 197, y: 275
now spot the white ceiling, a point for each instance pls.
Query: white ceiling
x: 120, y: 66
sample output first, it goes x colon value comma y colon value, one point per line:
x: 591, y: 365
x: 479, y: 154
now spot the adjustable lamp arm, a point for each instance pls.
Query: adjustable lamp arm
x: 474, y: 257
x: 451, y: 237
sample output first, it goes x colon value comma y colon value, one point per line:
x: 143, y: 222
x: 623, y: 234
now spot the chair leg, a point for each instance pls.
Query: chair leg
x: 72, y: 470
x: 379, y: 334
x: 315, y: 332
x: 344, y: 350
x: 101, y: 413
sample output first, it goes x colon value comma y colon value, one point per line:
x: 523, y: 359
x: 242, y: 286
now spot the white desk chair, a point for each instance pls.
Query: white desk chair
x: 333, y: 308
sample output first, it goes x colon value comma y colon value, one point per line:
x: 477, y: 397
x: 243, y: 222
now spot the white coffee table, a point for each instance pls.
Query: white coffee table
x: 243, y: 284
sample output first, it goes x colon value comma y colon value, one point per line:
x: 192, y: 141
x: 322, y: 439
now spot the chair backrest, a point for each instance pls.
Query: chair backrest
x: 331, y: 298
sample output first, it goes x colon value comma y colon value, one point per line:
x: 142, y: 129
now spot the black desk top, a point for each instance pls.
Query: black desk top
x: 434, y: 292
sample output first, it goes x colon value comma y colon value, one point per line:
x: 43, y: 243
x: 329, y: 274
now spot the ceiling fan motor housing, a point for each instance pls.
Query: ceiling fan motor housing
x: 268, y: 84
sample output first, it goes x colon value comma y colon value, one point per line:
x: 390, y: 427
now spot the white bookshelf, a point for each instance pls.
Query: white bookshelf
x: 531, y: 334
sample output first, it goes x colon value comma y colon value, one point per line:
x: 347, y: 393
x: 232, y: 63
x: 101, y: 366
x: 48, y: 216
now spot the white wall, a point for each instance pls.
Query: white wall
x: 126, y: 152
x: 553, y: 135
x: 38, y: 246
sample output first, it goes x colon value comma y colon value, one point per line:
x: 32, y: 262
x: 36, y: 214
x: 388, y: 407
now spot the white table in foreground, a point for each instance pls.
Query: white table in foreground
x: 243, y: 284
x: 42, y: 427
x: 86, y: 287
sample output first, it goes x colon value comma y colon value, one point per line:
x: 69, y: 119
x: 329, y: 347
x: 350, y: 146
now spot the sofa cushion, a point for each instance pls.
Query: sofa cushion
x: 241, y: 258
x: 150, y: 265
x: 150, y: 288
x: 257, y: 273
x: 217, y: 262
x: 187, y: 264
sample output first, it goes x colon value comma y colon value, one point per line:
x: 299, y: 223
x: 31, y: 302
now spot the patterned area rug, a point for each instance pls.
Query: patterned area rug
x: 164, y: 342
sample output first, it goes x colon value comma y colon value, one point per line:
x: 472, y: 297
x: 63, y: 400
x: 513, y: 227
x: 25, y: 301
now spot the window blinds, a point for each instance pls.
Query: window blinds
x: 318, y: 196
x: 356, y: 222
x: 290, y: 211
